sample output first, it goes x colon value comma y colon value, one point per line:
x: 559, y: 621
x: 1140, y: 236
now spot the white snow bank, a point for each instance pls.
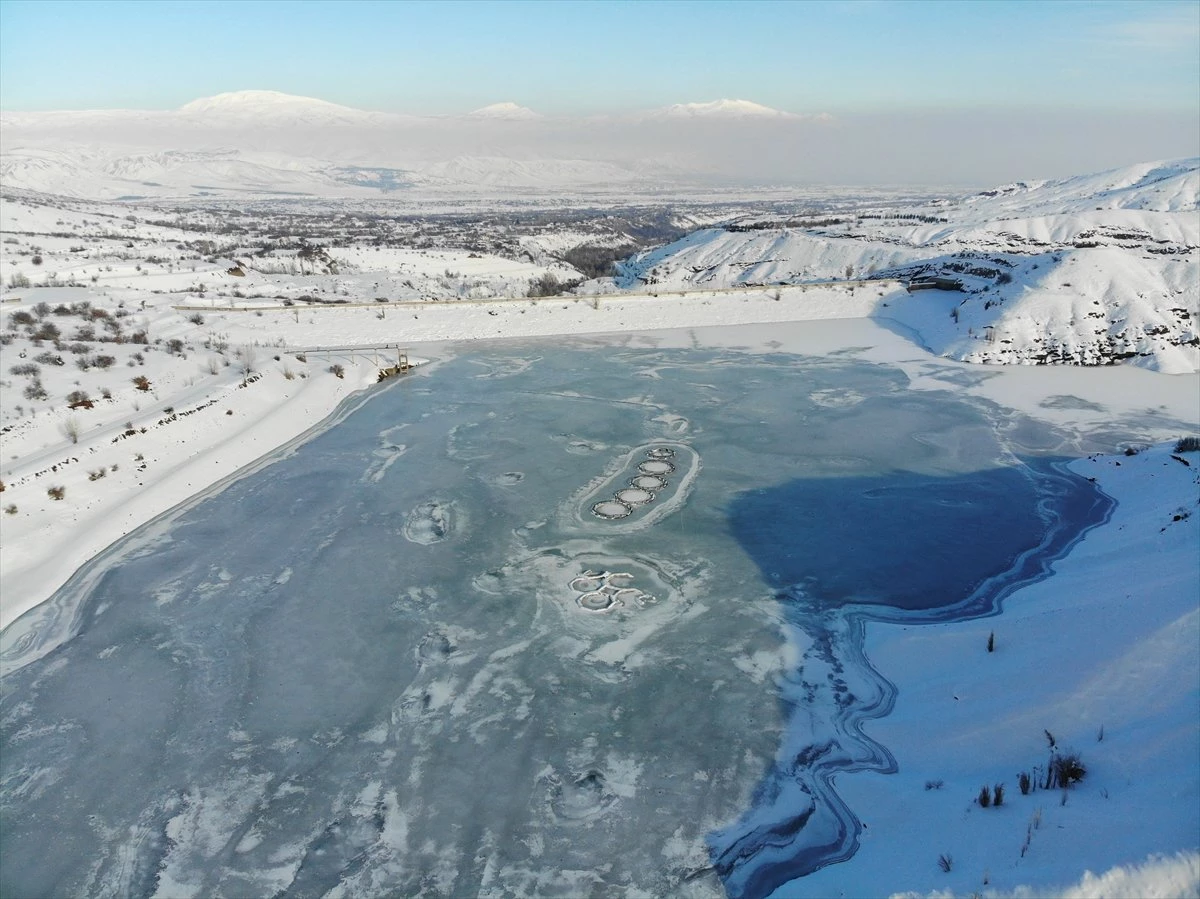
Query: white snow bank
x: 1159, y: 877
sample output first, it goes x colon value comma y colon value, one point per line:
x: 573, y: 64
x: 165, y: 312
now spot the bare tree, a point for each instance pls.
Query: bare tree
x: 70, y: 429
x: 246, y: 356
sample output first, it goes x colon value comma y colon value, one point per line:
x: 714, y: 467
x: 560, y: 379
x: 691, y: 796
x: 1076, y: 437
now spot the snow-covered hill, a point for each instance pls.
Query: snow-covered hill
x: 1093, y: 270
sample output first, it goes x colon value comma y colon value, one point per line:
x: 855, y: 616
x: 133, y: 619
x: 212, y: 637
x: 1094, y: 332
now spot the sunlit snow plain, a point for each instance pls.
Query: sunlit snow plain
x: 542, y: 618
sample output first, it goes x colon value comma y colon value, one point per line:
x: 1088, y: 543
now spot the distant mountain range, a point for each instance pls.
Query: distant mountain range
x: 268, y: 143
x: 275, y: 105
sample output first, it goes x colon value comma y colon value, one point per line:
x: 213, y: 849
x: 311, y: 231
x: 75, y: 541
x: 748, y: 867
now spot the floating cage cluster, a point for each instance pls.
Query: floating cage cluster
x: 603, y: 591
x: 651, y: 477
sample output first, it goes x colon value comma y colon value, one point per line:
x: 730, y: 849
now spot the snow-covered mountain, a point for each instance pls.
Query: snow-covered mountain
x: 507, y: 110
x: 723, y: 109
x: 273, y: 108
x: 726, y: 141
x: 1094, y: 269
x: 266, y: 142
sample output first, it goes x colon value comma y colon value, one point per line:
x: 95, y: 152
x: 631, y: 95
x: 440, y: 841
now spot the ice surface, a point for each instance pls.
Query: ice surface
x: 430, y: 668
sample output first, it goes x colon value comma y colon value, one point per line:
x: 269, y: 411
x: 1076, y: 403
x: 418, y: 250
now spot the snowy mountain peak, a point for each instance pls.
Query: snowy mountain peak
x: 505, y: 110
x: 724, y: 109
x: 267, y: 104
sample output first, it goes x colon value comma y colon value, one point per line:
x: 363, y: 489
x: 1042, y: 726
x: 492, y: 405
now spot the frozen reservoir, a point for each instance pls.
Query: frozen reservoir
x: 539, y: 621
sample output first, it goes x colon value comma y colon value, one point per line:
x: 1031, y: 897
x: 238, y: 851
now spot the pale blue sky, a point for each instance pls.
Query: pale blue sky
x: 584, y: 58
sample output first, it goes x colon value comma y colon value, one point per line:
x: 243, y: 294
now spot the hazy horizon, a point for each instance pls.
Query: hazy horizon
x: 877, y: 93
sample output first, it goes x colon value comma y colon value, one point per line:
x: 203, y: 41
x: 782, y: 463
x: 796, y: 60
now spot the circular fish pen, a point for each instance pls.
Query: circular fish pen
x: 656, y: 467
x: 611, y: 509
x: 648, y: 482
x: 634, y: 496
x: 596, y: 602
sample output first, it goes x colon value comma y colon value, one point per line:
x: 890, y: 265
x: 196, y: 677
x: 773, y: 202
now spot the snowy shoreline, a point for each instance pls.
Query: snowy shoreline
x: 55, y: 618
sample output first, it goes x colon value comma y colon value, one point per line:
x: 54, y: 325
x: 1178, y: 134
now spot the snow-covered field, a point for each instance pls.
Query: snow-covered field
x: 181, y: 374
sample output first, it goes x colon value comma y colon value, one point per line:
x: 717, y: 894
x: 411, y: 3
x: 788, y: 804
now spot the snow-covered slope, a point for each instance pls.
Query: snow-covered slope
x: 1158, y: 186
x: 1093, y: 270
x: 1104, y: 656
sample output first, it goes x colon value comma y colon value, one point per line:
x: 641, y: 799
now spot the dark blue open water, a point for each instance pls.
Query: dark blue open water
x: 408, y: 658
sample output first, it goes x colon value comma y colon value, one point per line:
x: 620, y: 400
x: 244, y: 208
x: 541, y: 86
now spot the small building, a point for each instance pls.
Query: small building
x: 934, y: 282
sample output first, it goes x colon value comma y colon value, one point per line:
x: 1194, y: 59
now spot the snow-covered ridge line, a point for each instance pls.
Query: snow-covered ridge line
x: 1091, y: 270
